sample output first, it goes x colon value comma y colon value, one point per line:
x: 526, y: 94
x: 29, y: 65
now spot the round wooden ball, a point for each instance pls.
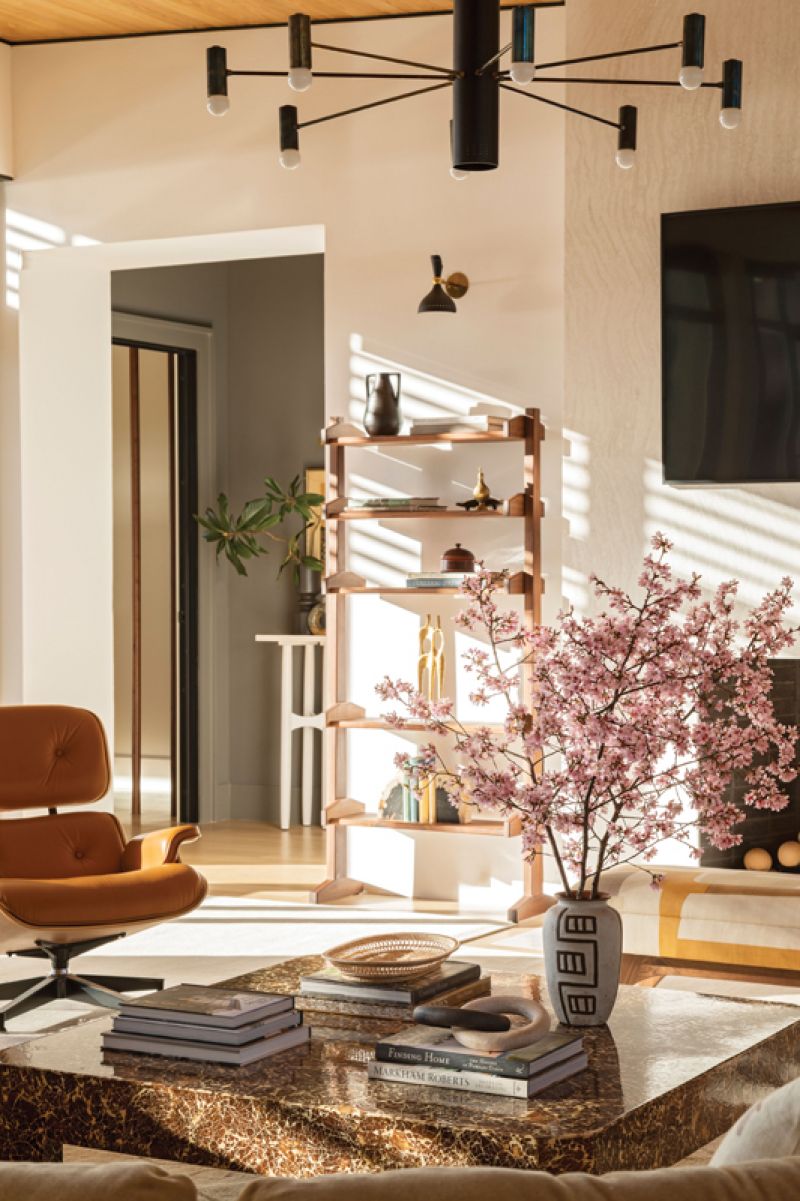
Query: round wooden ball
x: 537, y: 1024
x: 789, y: 854
x: 758, y: 860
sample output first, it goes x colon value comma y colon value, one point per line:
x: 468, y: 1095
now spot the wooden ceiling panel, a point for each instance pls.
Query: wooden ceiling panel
x: 46, y: 20
x: 65, y: 20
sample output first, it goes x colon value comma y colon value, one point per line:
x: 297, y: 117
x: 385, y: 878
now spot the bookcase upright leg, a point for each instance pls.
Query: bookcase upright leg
x: 336, y: 883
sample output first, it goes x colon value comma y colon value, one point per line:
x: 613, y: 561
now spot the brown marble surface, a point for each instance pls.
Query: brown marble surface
x: 671, y: 1072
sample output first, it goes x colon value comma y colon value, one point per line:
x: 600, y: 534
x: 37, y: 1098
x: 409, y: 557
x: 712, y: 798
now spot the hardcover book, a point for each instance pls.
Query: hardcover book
x: 435, y: 1047
x: 195, y: 1032
x: 227, y: 1007
x: 388, y: 1010
x: 478, y: 1082
x: 206, y: 1052
x: 395, y: 502
x: 443, y: 425
x: 330, y: 982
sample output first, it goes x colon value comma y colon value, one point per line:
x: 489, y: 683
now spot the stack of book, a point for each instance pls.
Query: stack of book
x: 431, y: 1056
x: 451, y: 983
x: 483, y: 423
x: 396, y: 504
x: 217, y: 1025
x: 436, y: 579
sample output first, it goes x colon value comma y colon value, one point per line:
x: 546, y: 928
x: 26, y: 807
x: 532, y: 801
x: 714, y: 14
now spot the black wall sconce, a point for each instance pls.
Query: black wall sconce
x: 445, y: 292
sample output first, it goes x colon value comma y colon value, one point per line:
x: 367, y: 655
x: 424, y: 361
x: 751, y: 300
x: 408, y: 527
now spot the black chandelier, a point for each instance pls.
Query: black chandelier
x: 477, y: 78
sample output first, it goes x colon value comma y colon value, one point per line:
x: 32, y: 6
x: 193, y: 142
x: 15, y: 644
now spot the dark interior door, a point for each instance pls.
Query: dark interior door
x: 181, y: 454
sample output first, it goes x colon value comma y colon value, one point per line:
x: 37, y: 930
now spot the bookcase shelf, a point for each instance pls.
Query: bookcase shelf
x: 516, y: 586
x: 380, y: 723
x: 340, y: 813
x: 514, y: 430
x: 508, y: 828
x: 513, y: 507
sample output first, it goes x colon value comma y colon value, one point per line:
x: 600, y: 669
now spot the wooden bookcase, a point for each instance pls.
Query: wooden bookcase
x: 339, y: 812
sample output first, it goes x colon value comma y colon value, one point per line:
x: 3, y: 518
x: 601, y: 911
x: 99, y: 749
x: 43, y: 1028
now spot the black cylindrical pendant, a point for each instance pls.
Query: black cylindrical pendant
x: 732, y: 83
x: 476, y: 39
x: 694, y: 39
x: 300, y: 41
x: 626, y: 139
x: 217, y: 71
x: 287, y: 118
x: 522, y: 31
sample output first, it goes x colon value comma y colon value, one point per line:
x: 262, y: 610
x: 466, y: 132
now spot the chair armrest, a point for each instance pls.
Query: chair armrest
x: 157, y: 848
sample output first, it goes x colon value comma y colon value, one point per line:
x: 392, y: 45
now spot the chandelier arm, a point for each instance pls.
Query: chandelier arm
x: 495, y: 58
x: 640, y: 83
x: 596, y: 58
x: 343, y: 75
x: 360, y: 108
x: 567, y: 108
x: 384, y: 58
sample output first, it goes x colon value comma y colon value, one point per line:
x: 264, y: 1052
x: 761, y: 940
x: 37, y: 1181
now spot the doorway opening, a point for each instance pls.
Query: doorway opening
x: 154, y: 393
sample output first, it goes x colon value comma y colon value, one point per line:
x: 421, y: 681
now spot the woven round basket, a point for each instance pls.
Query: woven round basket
x: 391, y: 956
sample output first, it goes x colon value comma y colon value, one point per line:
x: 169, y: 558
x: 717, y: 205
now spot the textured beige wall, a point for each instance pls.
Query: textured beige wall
x: 6, y: 139
x: 614, y: 497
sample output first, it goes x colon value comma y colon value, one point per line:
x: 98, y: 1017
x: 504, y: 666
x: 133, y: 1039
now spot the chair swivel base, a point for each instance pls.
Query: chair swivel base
x: 61, y: 983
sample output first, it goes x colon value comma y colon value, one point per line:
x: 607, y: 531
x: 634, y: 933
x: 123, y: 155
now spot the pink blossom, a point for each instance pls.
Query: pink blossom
x: 639, y: 718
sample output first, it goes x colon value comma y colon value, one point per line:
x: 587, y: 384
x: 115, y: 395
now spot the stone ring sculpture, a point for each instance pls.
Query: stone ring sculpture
x: 508, y: 1039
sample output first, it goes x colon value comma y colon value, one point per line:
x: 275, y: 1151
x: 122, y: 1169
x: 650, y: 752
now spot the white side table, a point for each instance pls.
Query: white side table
x: 307, y: 721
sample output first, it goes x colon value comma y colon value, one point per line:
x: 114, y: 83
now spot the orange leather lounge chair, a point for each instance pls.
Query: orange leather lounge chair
x: 70, y: 882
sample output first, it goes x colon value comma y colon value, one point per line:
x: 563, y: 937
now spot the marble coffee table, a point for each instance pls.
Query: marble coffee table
x: 671, y: 1072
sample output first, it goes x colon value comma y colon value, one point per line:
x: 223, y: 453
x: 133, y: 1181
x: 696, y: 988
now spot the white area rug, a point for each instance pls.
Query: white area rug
x: 230, y: 935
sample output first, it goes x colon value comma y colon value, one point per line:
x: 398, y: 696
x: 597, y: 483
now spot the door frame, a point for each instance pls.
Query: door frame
x: 66, y: 486
x: 161, y: 334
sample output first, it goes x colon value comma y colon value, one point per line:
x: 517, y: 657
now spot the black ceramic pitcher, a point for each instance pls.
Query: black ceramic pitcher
x: 382, y: 414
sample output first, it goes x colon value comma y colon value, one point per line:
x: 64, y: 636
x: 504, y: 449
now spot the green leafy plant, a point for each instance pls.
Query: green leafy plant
x: 236, y: 535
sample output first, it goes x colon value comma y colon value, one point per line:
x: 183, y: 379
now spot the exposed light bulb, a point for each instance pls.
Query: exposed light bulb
x: 290, y: 159
x: 300, y: 79
x: 730, y: 118
x: 626, y: 159
x: 691, y: 78
x: 522, y: 72
x: 218, y: 105
x: 456, y: 174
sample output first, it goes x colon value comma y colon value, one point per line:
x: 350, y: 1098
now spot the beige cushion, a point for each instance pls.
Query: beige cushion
x: 769, y: 1130
x: 92, y: 1182
x: 763, y: 1181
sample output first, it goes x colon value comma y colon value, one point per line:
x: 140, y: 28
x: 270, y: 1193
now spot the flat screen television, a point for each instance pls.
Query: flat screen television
x: 730, y: 303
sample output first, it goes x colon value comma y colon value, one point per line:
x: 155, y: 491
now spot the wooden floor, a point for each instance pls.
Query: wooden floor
x: 255, y: 859
x: 242, y: 858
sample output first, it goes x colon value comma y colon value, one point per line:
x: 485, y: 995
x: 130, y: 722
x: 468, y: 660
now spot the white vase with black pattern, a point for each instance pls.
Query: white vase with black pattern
x: 582, y: 956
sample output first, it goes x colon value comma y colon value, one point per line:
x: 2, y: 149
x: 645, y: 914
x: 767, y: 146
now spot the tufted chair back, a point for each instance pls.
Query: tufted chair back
x: 62, y: 846
x: 51, y: 755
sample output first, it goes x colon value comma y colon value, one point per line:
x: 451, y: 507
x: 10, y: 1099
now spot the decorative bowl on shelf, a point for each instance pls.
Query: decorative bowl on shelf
x: 391, y: 956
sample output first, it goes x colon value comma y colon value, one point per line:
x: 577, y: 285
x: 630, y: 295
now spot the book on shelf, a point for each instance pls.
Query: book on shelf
x: 194, y: 1032
x: 389, y: 1010
x: 207, y: 1006
x: 480, y: 423
x: 176, y: 1048
x: 395, y: 502
x: 330, y: 982
x: 437, y: 579
x: 478, y: 1082
x: 430, y: 1046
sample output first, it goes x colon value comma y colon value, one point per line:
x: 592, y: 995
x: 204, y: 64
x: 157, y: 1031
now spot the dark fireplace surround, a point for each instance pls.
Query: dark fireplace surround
x: 762, y: 827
